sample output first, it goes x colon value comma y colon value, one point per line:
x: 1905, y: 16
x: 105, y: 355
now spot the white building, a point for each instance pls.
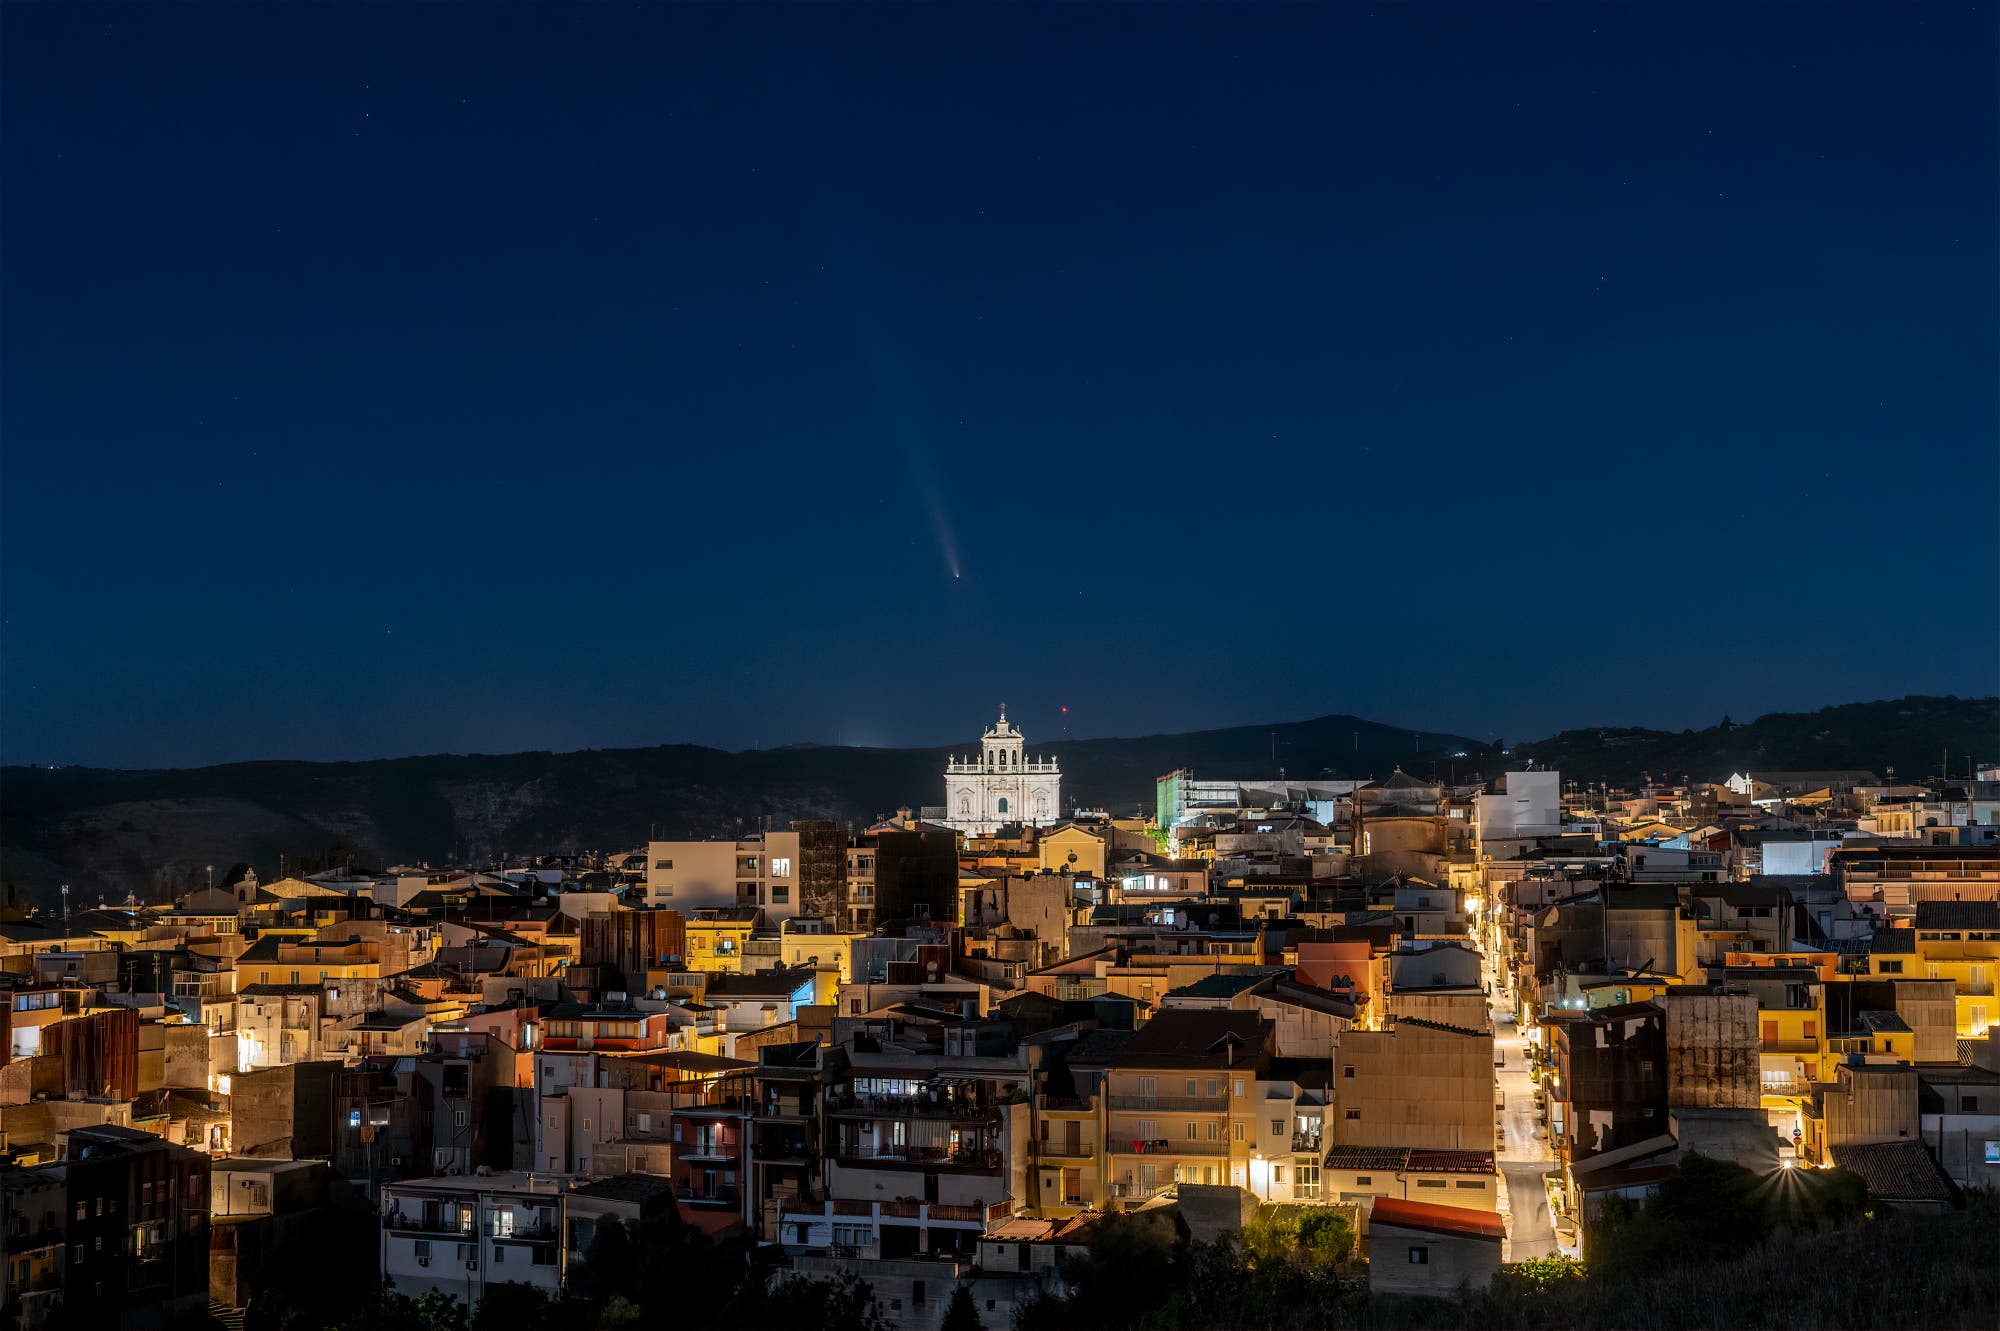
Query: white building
x: 1527, y: 805
x: 1002, y: 786
x: 459, y: 1235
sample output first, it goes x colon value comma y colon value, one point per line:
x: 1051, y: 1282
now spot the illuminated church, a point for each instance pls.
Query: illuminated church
x: 1001, y: 786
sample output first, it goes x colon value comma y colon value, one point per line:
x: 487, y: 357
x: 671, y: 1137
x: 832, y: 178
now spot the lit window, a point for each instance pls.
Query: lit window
x: 781, y: 866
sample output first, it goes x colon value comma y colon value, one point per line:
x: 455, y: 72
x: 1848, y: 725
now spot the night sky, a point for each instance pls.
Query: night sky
x: 383, y: 380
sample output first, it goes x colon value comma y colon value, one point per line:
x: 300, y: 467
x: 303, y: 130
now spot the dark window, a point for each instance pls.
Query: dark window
x: 1420, y: 1257
x: 917, y: 1286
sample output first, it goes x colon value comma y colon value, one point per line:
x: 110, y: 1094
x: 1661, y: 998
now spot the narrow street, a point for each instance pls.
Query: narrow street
x: 1522, y: 1154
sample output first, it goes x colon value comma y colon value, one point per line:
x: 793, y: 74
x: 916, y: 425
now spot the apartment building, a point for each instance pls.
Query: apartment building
x: 926, y: 1127
x: 1960, y: 941
x: 1181, y: 1101
x: 763, y: 871
x: 457, y: 1235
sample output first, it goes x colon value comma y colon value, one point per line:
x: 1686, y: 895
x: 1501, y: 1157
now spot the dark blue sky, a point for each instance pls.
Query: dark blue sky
x: 397, y: 379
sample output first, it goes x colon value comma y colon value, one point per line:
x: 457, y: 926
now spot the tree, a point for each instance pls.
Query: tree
x: 960, y: 1314
x: 1539, y: 1273
x: 510, y: 1306
x: 841, y: 1304
x: 1307, y: 1235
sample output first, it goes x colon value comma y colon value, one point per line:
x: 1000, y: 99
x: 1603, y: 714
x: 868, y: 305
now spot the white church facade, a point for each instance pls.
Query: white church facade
x: 1003, y: 785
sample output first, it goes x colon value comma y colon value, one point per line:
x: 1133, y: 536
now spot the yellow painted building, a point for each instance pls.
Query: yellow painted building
x: 825, y: 949
x: 1181, y: 1103
x: 716, y: 941
x: 1068, y: 1156
x: 1651, y: 831
x: 275, y: 959
x: 1960, y: 941
x: 1072, y: 849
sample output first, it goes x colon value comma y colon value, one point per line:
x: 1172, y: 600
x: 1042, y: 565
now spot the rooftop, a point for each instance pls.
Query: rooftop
x: 1429, y: 1216
x: 1958, y: 915
x: 1896, y: 1171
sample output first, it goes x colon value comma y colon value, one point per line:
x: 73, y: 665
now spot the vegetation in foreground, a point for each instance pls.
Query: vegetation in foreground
x: 1719, y: 1247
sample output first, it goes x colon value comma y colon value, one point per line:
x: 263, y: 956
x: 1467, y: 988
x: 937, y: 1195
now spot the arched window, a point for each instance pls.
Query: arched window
x: 1003, y: 804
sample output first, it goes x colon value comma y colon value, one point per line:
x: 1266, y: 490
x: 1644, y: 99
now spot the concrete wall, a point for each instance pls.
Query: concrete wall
x: 1931, y: 1008
x: 187, y: 1057
x: 703, y: 874
x: 1713, y: 1050
x: 1875, y: 1103
x: 1450, y: 1259
x: 1467, y: 1010
x: 1415, y: 1087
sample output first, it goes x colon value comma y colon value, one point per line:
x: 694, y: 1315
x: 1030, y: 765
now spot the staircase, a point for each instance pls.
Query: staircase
x: 230, y: 1318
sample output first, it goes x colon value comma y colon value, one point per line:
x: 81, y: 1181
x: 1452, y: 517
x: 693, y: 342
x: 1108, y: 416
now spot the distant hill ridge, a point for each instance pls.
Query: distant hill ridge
x: 111, y: 831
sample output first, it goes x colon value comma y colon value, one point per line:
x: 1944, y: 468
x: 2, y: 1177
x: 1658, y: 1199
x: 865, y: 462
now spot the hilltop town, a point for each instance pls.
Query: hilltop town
x: 999, y: 1060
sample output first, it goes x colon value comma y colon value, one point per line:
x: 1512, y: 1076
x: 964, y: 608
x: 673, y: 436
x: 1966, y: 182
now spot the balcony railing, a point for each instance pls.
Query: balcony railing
x: 710, y: 1151
x: 1306, y: 1141
x: 908, y: 1209
x: 1791, y: 1044
x: 416, y: 1223
x: 720, y: 1196
x: 1170, y: 1104
x: 539, y: 1233
x: 1059, y: 1148
x: 963, y: 1158
x: 942, y: 1105
x: 1167, y: 1146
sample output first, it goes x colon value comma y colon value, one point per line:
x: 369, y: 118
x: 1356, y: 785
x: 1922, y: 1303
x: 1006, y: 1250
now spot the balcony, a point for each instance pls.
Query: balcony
x: 1791, y: 1044
x: 448, y: 1226
x: 788, y: 1149
x: 1064, y: 1149
x: 940, y: 1213
x: 1170, y: 1104
x: 948, y: 1105
x: 1062, y: 1104
x: 968, y: 1215
x: 720, y: 1106
x: 710, y: 1151
x: 1306, y: 1141
x: 920, y: 1157
x: 21, y: 1238
x: 545, y: 1232
x: 1167, y: 1147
